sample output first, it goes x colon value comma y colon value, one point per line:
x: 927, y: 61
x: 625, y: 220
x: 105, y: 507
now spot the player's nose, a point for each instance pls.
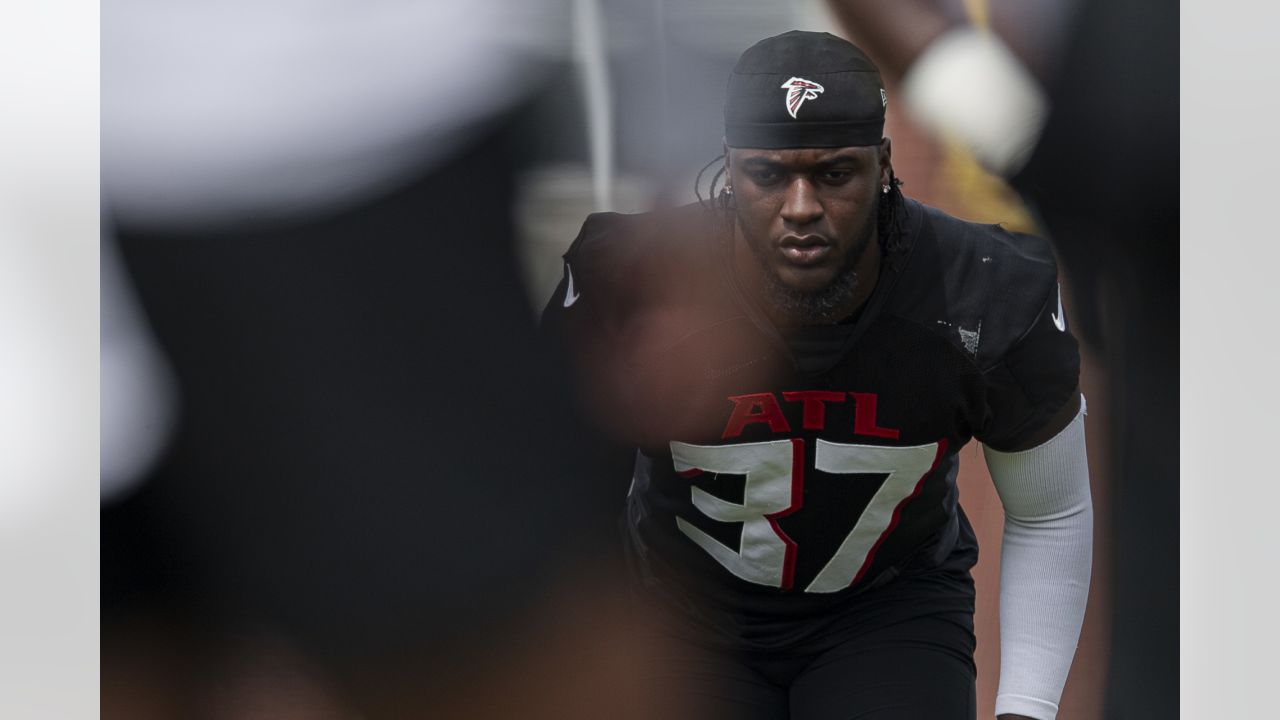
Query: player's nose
x: 800, y: 205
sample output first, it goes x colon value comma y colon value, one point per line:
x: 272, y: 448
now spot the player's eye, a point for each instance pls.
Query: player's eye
x: 764, y: 176
x: 835, y: 176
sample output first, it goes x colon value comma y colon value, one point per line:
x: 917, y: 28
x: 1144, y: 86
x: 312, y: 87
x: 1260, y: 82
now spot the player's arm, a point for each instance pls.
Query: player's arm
x: 576, y: 327
x: 1035, y: 450
x: 579, y: 318
x: 1045, y: 565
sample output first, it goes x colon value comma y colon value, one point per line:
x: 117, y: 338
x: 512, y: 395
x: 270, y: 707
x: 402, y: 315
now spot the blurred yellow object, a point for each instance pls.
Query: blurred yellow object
x: 975, y: 194
x: 971, y: 191
x: 979, y: 13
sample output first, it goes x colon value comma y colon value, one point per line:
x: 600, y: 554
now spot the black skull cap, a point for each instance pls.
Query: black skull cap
x: 804, y: 89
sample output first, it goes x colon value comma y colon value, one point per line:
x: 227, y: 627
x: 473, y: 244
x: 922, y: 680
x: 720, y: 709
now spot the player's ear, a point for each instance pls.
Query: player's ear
x: 885, y: 152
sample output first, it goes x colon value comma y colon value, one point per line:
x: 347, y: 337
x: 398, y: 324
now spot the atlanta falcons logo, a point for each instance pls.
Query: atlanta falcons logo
x: 799, y: 90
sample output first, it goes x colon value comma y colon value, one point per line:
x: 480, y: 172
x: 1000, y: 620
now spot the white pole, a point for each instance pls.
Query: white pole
x: 592, y: 61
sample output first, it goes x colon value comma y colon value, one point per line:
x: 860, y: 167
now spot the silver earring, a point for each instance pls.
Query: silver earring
x: 884, y: 189
x: 726, y: 197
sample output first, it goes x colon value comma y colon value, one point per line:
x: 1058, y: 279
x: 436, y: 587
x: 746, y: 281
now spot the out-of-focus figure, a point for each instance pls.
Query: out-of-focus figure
x: 1092, y: 146
x: 373, y: 499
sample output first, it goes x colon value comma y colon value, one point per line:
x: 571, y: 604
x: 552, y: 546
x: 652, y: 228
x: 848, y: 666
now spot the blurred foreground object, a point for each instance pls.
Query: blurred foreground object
x: 1101, y: 179
x: 376, y: 464
x: 138, y: 399
x: 215, y: 112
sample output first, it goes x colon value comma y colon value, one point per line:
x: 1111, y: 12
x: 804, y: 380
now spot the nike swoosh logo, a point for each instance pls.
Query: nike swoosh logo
x: 570, y: 297
x: 1059, y: 319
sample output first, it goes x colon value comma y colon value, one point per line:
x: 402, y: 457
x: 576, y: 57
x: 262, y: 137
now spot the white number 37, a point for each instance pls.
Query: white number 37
x: 774, y: 488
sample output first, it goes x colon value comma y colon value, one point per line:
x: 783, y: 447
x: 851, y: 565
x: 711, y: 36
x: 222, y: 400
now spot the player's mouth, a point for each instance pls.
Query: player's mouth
x: 804, y: 251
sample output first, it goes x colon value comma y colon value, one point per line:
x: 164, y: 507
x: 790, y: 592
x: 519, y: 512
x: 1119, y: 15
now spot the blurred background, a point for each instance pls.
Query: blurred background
x: 339, y: 477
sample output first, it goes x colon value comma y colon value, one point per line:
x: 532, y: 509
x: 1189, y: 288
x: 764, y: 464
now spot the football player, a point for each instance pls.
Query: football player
x: 796, y: 365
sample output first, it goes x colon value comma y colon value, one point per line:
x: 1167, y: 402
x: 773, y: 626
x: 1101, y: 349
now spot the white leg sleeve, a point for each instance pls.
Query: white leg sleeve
x: 1044, y: 567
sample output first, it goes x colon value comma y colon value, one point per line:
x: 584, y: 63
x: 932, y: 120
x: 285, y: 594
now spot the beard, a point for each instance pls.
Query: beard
x: 826, y: 306
x: 817, y: 308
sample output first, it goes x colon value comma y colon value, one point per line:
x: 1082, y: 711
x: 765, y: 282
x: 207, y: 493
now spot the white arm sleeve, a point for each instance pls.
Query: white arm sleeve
x: 1044, y: 567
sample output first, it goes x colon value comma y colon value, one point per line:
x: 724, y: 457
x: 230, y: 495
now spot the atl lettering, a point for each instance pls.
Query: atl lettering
x: 765, y: 408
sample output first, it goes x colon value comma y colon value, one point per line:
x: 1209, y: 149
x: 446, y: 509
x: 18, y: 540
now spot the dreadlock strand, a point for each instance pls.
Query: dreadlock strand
x: 888, y: 218
x: 709, y: 202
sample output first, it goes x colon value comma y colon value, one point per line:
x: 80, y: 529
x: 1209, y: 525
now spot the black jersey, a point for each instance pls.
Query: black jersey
x: 783, y: 473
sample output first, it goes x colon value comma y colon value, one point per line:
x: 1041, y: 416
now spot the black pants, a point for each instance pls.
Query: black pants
x: 902, y: 656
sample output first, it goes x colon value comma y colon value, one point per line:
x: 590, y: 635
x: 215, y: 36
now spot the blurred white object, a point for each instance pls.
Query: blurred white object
x: 969, y: 86
x: 219, y: 111
x: 588, y: 45
x: 139, y: 394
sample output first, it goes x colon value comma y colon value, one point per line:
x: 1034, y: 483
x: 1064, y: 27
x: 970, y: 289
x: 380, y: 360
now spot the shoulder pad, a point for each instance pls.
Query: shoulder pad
x: 981, y: 286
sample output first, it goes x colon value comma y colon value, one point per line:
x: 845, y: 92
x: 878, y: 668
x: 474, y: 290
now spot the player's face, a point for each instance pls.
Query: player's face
x: 808, y: 214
